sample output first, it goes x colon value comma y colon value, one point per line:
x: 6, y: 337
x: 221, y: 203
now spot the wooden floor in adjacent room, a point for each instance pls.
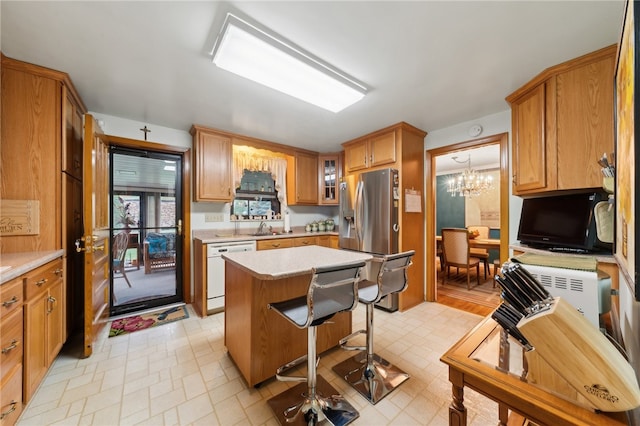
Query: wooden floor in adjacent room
x: 481, y: 299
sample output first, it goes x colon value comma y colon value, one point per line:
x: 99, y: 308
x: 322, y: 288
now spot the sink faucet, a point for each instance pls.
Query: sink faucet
x: 261, y: 228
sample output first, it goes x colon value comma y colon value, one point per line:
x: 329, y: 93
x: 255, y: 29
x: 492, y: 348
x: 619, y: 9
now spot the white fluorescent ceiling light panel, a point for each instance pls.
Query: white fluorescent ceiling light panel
x: 252, y: 53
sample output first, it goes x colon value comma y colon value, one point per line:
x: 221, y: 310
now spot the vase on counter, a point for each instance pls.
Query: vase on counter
x: 330, y: 225
x: 314, y: 227
x: 308, y: 227
x: 321, y: 226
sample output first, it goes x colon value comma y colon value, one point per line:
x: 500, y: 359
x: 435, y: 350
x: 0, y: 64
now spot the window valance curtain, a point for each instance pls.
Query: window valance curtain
x: 261, y: 160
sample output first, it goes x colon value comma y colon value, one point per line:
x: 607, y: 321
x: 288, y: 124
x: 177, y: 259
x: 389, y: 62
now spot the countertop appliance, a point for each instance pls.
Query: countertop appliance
x: 215, y: 270
x: 369, y: 218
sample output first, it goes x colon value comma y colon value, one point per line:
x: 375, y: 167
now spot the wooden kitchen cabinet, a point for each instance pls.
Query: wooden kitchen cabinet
x: 41, y: 159
x: 328, y: 241
x: 11, y: 351
x: 213, y: 165
x: 329, y: 174
x: 11, y: 396
x: 275, y: 243
x: 370, y: 152
x: 305, y: 241
x: 72, y: 137
x: 302, y: 184
x: 44, y: 322
x: 562, y: 123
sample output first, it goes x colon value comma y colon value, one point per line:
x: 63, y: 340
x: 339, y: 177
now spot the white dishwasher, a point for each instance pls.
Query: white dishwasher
x: 215, y: 270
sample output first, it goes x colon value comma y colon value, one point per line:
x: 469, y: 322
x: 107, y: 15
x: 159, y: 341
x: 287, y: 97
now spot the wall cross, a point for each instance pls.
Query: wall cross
x: 145, y: 130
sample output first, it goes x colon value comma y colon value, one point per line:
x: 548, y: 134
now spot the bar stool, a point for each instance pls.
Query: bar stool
x: 370, y: 374
x: 331, y: 290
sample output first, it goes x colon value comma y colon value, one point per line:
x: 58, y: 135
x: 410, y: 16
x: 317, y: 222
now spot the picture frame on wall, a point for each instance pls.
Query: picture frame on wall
x: 627, y: 77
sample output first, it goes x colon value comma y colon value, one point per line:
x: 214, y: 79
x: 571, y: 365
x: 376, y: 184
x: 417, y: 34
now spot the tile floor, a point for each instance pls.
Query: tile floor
x: 180, y: 374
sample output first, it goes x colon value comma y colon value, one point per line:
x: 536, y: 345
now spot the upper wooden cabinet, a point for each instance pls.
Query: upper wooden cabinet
x: 329, y: 174
x: 302, y: 183
x: 72, y: 136
x: 213, y: 173
x: 213, y: 166
x: 370, y: 151
x: 562, y: 123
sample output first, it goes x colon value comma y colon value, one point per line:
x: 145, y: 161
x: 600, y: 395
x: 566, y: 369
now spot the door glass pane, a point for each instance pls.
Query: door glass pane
x: 145, y: 217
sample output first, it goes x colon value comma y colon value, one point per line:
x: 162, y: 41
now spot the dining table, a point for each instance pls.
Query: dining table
x: 485, y: 243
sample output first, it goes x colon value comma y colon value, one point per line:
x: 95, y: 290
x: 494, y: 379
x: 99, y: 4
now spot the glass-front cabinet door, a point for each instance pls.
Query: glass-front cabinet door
x: 330, y: 172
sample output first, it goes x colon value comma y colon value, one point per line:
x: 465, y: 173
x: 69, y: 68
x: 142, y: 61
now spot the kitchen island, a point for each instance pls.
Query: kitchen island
x: 257, y: 338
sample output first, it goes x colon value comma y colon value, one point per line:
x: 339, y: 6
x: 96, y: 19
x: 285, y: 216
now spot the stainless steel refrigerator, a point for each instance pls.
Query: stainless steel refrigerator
x: 369, y: 218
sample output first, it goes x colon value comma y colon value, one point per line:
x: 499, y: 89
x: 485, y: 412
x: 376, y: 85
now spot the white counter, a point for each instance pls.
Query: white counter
x: 13, y: 265
x: 290, y: 262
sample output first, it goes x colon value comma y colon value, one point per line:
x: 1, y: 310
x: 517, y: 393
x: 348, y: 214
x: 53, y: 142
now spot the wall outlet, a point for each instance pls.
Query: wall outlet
x: 214, y: 217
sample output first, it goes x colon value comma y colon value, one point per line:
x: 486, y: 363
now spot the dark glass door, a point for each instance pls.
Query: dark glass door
x: 146, y: 219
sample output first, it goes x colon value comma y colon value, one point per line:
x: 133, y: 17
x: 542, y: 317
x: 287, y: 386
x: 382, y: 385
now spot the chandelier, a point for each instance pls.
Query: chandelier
x: 469, y: 183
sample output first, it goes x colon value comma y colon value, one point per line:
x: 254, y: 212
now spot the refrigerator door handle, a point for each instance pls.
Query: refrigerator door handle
x: 359, y: 211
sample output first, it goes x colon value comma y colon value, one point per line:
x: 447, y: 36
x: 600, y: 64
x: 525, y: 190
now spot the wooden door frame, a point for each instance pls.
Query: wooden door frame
x: 186, y: 197
x: 430, y: 187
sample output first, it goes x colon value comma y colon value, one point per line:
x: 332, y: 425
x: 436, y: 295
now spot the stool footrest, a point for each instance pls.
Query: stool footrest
x: 373, y: 377
x: 282, y: 370
x: 344, y: 340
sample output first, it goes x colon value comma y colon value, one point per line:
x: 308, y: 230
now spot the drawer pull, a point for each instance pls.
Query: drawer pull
x: 14, y: 404
x: 12, y: 346
x: 41, y: 282
x: 275, y: 245
x: 58, y: 271
x: 10, y: 302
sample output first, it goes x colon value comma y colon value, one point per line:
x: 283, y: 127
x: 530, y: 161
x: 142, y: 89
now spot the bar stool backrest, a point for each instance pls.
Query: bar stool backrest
x: 392, y: 277
x: 331, y: 290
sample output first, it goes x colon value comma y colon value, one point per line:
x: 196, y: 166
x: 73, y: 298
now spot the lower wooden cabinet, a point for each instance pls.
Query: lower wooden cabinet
x: 315, y: 240
x: 328, y: 241
x: 305, y: 241
x: 11, y: 395
x: 276, y: 243
x: 11, y: 351
x: 44, y: 323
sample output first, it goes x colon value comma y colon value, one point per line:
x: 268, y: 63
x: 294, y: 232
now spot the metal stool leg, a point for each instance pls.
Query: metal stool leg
x: 313, y: 402
x: 371, y: 375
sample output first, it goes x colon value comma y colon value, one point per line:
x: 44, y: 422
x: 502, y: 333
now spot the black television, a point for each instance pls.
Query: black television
x: 564, y: 223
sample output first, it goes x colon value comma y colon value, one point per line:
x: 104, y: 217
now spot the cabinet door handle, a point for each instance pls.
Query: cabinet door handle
x: 275, y: 245
x: 58, y: 271
x: 13, y: 345
x: 41, y: 282
x: 10, y: 302
x: 11, y: 410
x: 52, y: 300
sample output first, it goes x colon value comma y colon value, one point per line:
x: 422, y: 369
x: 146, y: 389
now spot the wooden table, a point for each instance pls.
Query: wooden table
x: 485, y: 243
x: 470, y: 366
x: 257, y: 338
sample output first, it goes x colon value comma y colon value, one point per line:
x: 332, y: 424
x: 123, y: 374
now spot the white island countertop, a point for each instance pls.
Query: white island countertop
x: 290, y: 262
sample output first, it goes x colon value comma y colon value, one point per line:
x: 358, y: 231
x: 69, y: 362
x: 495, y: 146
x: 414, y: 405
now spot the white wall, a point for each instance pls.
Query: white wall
x: 124, y: 128
x: 491, y: 125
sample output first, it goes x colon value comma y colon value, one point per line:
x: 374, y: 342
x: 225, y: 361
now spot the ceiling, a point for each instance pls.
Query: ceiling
x: 431, y: 64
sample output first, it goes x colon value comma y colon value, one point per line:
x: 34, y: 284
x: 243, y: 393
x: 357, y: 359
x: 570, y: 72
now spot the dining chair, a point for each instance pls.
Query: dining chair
x: 455, y: 247
x: 120, y: 244
x: 480, y: 253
